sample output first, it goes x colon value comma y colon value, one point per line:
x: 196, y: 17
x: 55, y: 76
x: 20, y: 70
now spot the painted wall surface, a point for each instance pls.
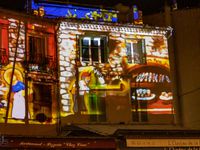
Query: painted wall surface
x: 140, y: 82
x: 17, y: 104
x: 21, y: 74
x: 106, y: 74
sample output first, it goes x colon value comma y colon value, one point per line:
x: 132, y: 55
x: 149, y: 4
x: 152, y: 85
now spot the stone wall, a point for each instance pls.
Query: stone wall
x: 13, y: 33
x: 67, y: 55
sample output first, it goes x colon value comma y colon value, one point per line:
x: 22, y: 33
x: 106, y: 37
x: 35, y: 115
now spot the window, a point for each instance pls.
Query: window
x: 93, y: 49
x: 37, y: 49
x: 136, y: 51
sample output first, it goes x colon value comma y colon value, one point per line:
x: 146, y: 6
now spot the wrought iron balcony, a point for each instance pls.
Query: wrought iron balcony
x: 40, y: 63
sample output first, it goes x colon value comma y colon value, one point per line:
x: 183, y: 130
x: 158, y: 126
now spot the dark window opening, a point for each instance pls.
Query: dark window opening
x: 85, y: 50
x: 95, y: 49
x: 104, y: 52
x: 38, y: 57
x: 37, y: 49
x: 42, y: 102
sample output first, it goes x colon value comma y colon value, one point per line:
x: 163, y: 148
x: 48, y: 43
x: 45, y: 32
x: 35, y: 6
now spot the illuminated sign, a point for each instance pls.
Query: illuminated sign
x: 77, y: 12
x: 163, y: 142
x: 48, y: 143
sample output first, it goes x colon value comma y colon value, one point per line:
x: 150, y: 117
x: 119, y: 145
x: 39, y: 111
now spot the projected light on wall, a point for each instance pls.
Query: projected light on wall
x: 75, y: 12
x: 136, y: 64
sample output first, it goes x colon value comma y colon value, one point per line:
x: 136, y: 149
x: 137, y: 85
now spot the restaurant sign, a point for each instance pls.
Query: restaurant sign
x: 163, y: 142
x: 19, y: 142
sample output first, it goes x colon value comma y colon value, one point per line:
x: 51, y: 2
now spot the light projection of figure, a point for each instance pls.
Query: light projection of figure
x: 18, y: 110
x: 92, y: 91
x: 84, y: 89
x: 83, y: 92
x: 86, y: 81
x: 18, y: 87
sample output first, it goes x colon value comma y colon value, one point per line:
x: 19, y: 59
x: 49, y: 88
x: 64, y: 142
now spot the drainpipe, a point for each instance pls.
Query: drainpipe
x: 26, y: 80
x: 77, y: 65
x: 57, y: 82
x: 168, y: 12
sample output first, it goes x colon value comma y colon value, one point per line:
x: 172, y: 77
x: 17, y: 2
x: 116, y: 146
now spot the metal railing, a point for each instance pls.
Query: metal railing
x: 38, y: 62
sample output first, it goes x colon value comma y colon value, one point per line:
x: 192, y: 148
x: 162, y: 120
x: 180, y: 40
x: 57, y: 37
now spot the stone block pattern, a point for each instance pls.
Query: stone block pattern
x: 67, y: 57
x: 13, y: 33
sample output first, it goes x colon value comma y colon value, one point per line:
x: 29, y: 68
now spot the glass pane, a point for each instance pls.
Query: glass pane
x: 104, y: 55
x: 85, y: 42
x: 36, y: 49
x: 139, y: 52
x: 136, y: 54
x: 31, y: 49
x: 95, y: 42
x: 85, y: 50
x: 94, y: 50
x: 141, y: 46
x: 30, y: 42
x: 128, y: 52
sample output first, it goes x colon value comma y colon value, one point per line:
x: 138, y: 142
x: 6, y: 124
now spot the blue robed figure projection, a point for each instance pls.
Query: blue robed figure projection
x: 18, y: 109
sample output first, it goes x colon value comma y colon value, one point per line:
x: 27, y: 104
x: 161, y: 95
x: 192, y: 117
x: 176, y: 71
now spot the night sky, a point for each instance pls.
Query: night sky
x: 147, y: 6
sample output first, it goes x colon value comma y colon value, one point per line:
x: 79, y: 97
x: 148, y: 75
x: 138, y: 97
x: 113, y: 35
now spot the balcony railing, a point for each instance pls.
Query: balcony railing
x: 40, y: 63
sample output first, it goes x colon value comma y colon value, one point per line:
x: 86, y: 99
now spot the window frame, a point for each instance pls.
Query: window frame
x: 45, y: 52
x: 101, y: 50
x: 143, y: 51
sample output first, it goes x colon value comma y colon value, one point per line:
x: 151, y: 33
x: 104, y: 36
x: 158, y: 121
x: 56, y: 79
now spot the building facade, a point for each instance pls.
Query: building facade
x: 73, y: 78
x: 123, y: 70
x: 28, y: 58
x: 127, y: 67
